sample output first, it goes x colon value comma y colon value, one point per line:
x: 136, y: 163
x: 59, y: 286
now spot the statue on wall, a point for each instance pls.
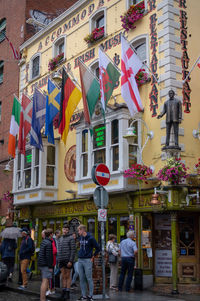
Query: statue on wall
x: 173, y: 110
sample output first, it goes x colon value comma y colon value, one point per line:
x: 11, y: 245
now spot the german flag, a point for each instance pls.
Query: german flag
x: 70, y: 97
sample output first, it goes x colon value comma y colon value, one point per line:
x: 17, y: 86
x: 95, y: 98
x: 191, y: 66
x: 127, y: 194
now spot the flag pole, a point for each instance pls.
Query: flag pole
x: 142, y: 62
x: 88, y: 70
x: 191, y: 70
x: 110, y: 59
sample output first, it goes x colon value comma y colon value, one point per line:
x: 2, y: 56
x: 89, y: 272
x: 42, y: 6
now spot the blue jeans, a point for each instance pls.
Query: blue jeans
x: 127, y: 264
x: 85, y: 275
x: 75, y: 273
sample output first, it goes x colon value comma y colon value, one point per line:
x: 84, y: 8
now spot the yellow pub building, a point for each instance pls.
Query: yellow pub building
x: 55, y: 186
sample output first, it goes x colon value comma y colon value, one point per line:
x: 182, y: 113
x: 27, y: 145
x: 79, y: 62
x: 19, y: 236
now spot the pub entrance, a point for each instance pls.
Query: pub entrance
x: 188, y: 248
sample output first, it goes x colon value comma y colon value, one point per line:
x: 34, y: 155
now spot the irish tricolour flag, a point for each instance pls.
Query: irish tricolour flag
x: 108, y: 77
x: 90, y: 91
x: 14, y: 126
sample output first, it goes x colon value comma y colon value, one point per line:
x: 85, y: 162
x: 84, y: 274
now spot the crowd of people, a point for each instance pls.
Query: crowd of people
x: 61, y: 253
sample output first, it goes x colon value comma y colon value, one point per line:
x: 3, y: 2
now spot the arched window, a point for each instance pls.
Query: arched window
x: 35, y: 66
x: 140, y: 45
x: 59, y: 47
x: 98, y: 20
x: 2, y: 29
x: 95, y: 68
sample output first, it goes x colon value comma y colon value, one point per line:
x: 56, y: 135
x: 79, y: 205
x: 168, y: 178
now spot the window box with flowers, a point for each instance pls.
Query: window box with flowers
x: 133, y: 14
x: 174, y: 172
x: 53, y: 63
x: 142, y: 77
x: 194, y: 179
x: 96, y: 34
x: 139, y: 172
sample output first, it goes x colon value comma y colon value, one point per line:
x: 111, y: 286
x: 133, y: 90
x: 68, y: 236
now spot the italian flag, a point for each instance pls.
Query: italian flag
x: 14, y: 126
x: 90, y: 91
x: 108, y: 77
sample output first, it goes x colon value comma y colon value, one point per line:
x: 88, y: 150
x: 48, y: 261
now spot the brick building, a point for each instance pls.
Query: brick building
x: 13, y: 19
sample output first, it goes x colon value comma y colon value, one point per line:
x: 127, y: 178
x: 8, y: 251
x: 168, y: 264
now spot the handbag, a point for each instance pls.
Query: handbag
x: 111, y: 258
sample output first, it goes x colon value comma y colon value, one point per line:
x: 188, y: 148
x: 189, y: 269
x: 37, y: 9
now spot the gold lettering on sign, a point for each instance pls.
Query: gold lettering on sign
x: 33, y: 195
x: 49, y: 194
x: 21, y: 197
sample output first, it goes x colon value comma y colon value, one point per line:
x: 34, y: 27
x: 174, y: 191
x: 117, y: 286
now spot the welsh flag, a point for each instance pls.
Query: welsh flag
x: 14, y: 126
x: 108, y: 77
x: 90, y: 91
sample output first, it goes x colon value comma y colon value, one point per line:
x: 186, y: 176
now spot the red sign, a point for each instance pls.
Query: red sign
x: 102, y: 174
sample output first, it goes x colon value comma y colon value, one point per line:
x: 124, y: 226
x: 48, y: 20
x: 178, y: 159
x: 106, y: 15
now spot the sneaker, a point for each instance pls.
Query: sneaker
x: 21, y: 287
x: 82, y: 298
x: 73, y: 285
x: 48, y: 292
x: 90, y: 298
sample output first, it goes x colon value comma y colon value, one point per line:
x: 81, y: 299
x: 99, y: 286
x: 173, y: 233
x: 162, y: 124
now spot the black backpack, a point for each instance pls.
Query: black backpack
x: 33, y: 246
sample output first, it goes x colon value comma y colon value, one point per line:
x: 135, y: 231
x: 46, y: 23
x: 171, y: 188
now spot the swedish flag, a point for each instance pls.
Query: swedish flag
x: 52, y: 108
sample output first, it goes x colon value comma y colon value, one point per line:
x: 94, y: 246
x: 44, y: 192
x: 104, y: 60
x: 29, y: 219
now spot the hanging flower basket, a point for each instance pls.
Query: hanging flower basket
x: 96, y: 34
x: 174, y: 172
x: 53, y: 63
x: 141, y: 77
x: 197, y: 166
x: 133, y: 14
x: 139, y: 172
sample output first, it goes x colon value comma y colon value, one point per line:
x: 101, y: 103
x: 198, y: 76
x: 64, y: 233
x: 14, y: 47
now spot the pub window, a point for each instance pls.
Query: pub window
x: 98, y: 20
x: 1, y: 71
x: 134, y: 2
x: 50, y: 168
x: 91, y: 225
x: 35, y: 67
x: 115, y: 144
x: 186, y: 236
x: 27, y: 168
x: 59, y: 47
x: 19, y: 184
x: 2, y: 29
x: 84, y: 154
x: 112, y: 225
x: 0, y: 110
x: 124, y: 226
x: 99, y: 144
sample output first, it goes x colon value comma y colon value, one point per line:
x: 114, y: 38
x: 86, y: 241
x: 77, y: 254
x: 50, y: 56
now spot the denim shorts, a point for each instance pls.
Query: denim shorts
x: 45, y: 272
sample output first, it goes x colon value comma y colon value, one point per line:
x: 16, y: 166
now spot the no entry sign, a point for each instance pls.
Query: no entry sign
x: 100, y: 174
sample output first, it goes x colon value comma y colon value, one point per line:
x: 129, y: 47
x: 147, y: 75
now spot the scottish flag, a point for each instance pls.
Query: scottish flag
x: 38, y: 119
x: 52, y: 108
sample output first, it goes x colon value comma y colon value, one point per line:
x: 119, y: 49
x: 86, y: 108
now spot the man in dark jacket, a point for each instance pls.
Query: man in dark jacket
x: 45, y: 262
x: 25, y: 254
x: 7, y: 249
x: 66, y: 255
x: 85, y: 260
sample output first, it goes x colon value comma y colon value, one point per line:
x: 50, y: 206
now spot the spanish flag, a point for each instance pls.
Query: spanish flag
x: 70, y: 97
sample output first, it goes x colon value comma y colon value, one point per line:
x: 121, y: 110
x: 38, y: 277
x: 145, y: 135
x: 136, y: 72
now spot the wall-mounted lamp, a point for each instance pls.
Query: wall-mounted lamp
x: 196, y: 133
x: 73, y: 192
x: 156, y: 194
x: 191, y: 196
x: 57, y: 77
x: 7, y: 167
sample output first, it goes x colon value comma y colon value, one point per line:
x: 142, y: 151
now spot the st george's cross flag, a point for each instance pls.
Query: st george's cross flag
x: 130, y: 65
x: 108, y: 77
x: 38, y: 119
x: 25, y: 122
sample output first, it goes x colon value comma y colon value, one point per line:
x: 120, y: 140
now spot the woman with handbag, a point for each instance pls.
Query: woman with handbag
x: 113, y: 251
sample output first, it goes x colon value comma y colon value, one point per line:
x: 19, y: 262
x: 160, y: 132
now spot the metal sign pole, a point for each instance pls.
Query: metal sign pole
x: 102, y: 250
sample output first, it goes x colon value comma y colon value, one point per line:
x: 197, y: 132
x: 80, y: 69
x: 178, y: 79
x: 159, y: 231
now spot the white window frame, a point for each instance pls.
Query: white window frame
x: 55, y: 46
x: 140, y: 40
x: 128, y: 4
x: 93, y: 18
x: 94, y: 66
x: 31, y: 66
x: 19, y: 175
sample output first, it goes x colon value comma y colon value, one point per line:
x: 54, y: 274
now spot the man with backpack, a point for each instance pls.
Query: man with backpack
x: 27, y: 249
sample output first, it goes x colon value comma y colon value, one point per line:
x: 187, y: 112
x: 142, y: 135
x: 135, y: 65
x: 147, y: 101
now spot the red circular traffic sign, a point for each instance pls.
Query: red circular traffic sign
x: 101, y: 174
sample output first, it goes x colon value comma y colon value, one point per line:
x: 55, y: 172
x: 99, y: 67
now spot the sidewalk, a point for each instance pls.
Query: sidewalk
x: 34, y: 290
